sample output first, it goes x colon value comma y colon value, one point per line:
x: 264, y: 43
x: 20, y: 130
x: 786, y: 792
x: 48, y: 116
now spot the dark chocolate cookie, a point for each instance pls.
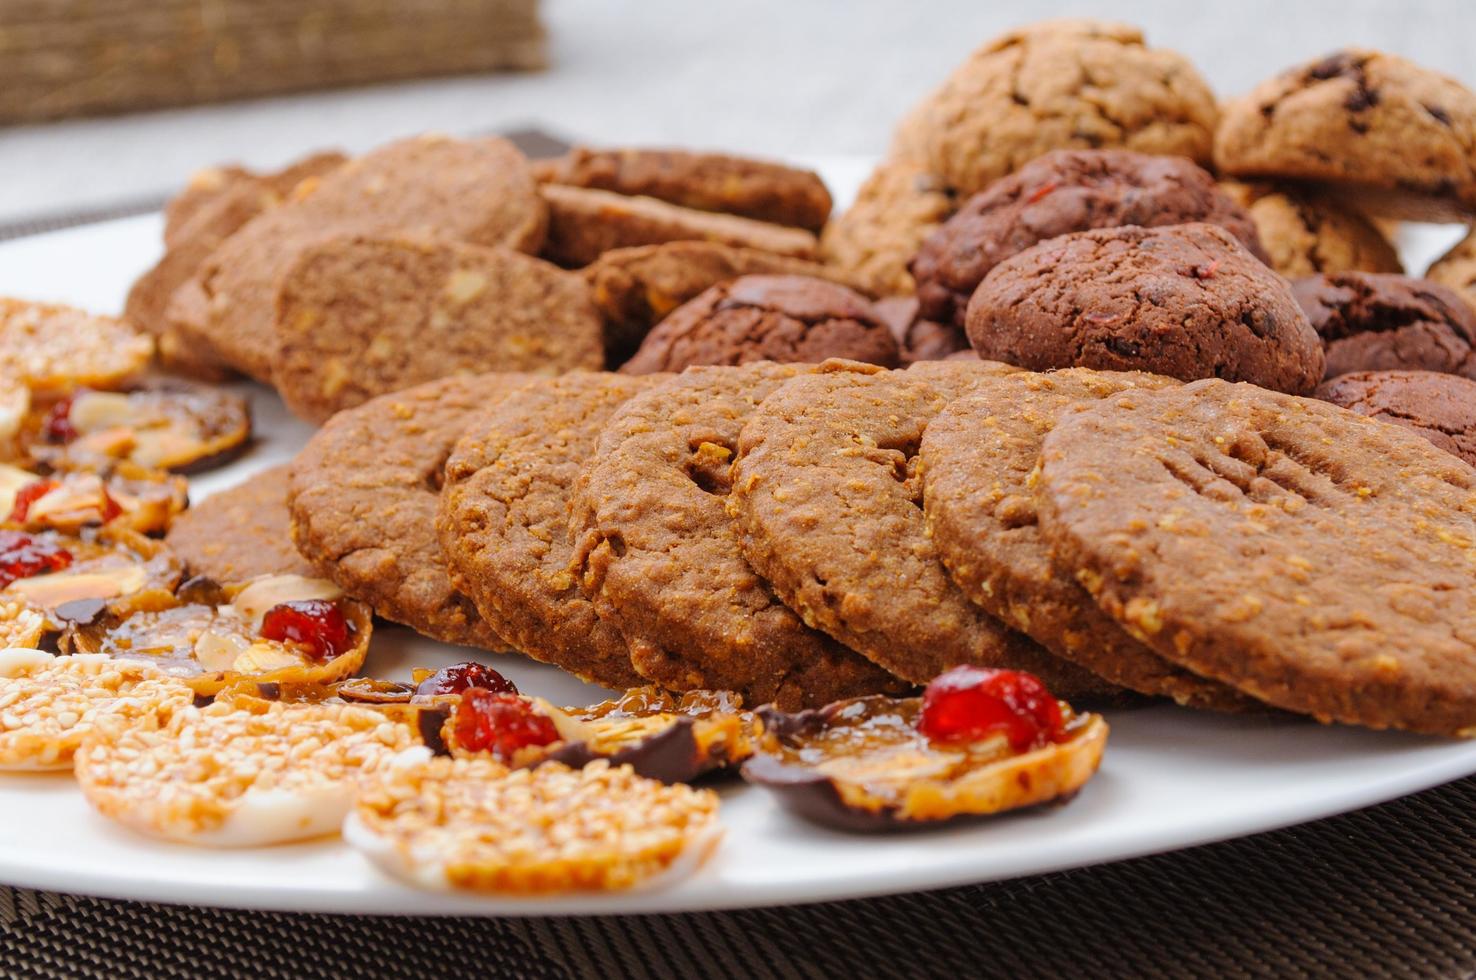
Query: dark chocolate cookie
x: 1371, y: 322
x: 919, y: 339
x: 793, y: 319
x: 1187, y: 301
x: 1061, y: 192
x: 1440, y: 407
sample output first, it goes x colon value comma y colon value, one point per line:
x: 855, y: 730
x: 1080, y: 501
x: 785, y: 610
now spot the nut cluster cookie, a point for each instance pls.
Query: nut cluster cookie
x: 1440, y: 407
x: 1371, y: 322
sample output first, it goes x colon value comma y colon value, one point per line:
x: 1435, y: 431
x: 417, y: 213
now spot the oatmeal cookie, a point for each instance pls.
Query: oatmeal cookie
x: 1306, y: 232
x: 897, y: 207
x: 240, y: 533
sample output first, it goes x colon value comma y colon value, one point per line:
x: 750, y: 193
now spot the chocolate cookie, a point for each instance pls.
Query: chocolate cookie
x: 586, y: 223
x: 478, y: 191
x: 1305, y: 231
x: 749, y: 188
x: 363, y: 497
x: 658, y: 551
x: 1065, y: 84
x: 635, y: 287
x: 1402, y: 138
x: 360, y: 316
x: 1187, y: 301
x: 1315, y: 559
x: 919, y: 339
x: 1457, y: 268
x: 1371, y: 322
x: 240, y: 533
x: 897, y: 207
x: 1065, y: 191
x: 825, y: 491
x: 792, y: 319
x: 1440, y: 407
x: 977, y: 458
x: 504, y: 521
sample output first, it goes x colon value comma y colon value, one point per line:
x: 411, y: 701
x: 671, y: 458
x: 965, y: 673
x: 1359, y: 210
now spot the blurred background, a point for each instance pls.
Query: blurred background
x: 769, y: 77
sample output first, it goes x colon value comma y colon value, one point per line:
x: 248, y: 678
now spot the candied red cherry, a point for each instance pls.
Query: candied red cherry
x: 967, y: 704
x: 486, y: 721
x: 28, y: 495
x: 317, y: 624
x: 465, y: 675
x: 58, y: 426
x: 22, y: 556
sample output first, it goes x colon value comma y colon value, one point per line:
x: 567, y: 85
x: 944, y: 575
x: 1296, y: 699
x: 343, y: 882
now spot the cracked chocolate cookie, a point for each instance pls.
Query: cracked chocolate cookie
x: 1315, y: 559
x: 504, y: 520
x: 658, y: 551
x: 1065, y: 191
x: 363, y: 495
x: 897, y: 207
x: 919, y: 339
x: 1187, y: 301
x: 1371, y: 322
x: 1457, y: 268
x: 240, y: 533
x: 1065, y: 84
x: 756, y: 189
x: 1400, y: 137
x: 1440, y: 407
x: 1305, y: 232
x: 792, y: 319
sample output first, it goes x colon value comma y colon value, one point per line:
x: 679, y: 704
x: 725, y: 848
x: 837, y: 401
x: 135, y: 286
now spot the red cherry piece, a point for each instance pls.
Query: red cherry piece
x: 967, y: 704
x: 58, y: 426
x: 22, y: 556
x: 28, y: 495
x: 317, y: 624
x: 501, y: 724
x: 463, y: 676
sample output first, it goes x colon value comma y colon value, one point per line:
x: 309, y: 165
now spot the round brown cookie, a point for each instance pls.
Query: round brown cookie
x: 793, y: 319
x: 360, y: 316
x: 1457, y: 268
x: 976, y: 458
x: 919, y: 339
x: 479, y: 191
x: 1313, y: 558
x: 1305, y: 232
x: 1065, y: 191
x: 659, y: 552
x: 635, y: 287
x: 504, y: 521
x: 826, y: 496
x: 1187, y: 301
x: 1373, y: 322
x: 240, y: 533
x: 585, y: 223
x: 894, y: 211
x: 1065, y: 84
x: 185, y: 347
x: 1440, y: 407
x: 756, y: 189
x: 1402, y: 137
x: 363, y: 496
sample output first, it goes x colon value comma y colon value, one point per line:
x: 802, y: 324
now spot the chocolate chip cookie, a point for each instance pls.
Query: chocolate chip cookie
x: 897, y: 207
x: 1440, y: 407
x: 1065, y: 191
x: 363, y: 495
x: 1187, y: 301
x: 240, y: 533
x: 749, y: 188
x: 1068, y: 84
x: 1400, y: 137
x: 504, y: 521
x: 1371, y: 322
x: 1457, y: 268
x: 1305, y: 231
x: 794, y: 319
x: 359, y: 316
x: 825, y: 491
x: 1315, y: 559
x: 977, y: 458
x: 659, y: 553
x: 585, y: 223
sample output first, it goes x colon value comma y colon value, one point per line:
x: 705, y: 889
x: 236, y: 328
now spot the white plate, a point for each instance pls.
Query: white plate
x: 1171, y: 778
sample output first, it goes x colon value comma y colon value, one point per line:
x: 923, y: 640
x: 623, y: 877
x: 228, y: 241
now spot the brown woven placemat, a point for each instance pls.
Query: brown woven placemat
x: 1389, y: 891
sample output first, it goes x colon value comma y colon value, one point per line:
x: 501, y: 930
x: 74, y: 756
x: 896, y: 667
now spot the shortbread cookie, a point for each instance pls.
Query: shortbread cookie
x: 895, y: 210
x: 746, y: 187
x: 478, y: 191
x: 585, y: 223
x: 1187, y: 301
x: 1457, y: 268
x: 658, y: 551
x: 1371, y: 322
x: 361, y: 316
x: 1440, y: 407
x: 54, y: 349
x: 1313, y: 558
x: 363, y: 495
x: 504, y: 521
x: 1306, y: 232
x: 208, y: 185
x: 237, y: 534
x: 1401, y: 137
